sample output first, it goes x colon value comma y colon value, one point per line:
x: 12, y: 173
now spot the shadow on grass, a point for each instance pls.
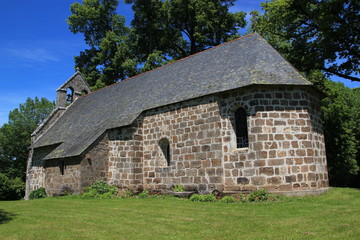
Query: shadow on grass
x: 5, y: 216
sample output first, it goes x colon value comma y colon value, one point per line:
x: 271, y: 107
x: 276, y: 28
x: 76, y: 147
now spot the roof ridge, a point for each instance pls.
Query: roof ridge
x: 181, y: 59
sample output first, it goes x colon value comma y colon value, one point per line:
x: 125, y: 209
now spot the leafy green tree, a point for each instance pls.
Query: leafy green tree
x: 255, y: 16
x: 355, y: 181
x: 162, y: 31
x: 179, y: 28
x: 15, y: 135
x: 340, y: 115
x: 315, y: 34
x: 109, y: 57
x: 150, y: 36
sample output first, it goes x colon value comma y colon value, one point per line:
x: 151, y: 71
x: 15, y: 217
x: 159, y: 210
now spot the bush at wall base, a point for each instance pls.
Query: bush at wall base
x: 38, y: 193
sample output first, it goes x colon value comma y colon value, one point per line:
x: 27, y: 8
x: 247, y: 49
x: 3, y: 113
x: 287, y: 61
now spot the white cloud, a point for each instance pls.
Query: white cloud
x: 35, y: 54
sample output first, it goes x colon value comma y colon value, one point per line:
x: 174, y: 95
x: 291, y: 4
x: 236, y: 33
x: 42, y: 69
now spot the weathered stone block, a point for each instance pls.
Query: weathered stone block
x: 266, y: 171
x: 259, y: 163
x: 258, y: 180
x: 249, y: 172
x: 276, y: 162
x: 274, y: 180
x: 243, y: 180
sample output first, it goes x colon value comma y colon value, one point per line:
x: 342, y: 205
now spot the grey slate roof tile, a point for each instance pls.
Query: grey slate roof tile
x: 246, y: 61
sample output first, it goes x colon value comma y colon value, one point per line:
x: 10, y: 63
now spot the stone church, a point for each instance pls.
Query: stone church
x: 236, y: 117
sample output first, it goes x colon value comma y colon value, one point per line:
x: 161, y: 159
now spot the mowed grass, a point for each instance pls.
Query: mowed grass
x: 334, y: 215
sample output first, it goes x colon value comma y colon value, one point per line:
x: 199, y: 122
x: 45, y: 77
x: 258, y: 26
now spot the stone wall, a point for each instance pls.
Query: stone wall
x: 79, y: 172
x: 286, y: 149
x: 57, y: 183
x: 35, y: 177
x: 286, y: 145
x: 126, y: 157
x: 94, y: 163
x: 193, y: 130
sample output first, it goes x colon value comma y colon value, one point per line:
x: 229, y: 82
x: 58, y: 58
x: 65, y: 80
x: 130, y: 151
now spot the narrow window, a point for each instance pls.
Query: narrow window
x: 69, y: 96
x: 62, y: 167
x: 165, y: 148
x: 241, y: 131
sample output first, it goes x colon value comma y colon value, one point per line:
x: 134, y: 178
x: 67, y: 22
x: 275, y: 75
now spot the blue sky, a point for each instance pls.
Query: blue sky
x: 37, y: 49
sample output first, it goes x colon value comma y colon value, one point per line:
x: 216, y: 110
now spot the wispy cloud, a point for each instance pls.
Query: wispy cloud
x: 35, y: 54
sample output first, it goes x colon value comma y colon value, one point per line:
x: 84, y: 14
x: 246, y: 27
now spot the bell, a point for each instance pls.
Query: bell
x: 69, y: 98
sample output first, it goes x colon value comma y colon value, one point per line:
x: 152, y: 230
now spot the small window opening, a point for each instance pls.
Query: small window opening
x: 241, y: 131
x: 69, y: 96
x: 165, y: 148
x: 62, y: 167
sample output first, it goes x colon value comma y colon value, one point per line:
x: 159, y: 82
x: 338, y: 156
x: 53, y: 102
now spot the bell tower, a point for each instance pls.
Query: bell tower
x: 74, y: 87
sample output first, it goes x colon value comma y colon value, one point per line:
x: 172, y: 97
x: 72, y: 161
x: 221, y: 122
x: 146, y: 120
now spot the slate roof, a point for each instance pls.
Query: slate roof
x: 245, y: 61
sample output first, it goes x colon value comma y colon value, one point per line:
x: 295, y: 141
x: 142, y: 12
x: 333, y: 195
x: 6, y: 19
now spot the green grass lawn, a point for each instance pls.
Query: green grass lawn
x: 334, y: 215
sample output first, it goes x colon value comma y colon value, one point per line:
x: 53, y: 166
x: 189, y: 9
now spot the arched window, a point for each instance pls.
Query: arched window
x: 165, y: 148
x: 241, y: 131
x: 69, y: 95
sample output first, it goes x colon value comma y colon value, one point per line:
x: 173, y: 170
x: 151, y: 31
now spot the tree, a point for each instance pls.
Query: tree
x: 179, y: 28
x: 162, y: 31
x: 340, y: 116
x: 150, y: 36
x: 315, y: 34
x: 15, y: 135
x: 255, y: 16
x: 109, y: 57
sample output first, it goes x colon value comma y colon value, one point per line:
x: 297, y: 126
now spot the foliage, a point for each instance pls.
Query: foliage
x: 227, y: 199
x: 15, y: 135
x: 100, y: 189
x: 128, y: 193
x: 109, y: 57
x: 341, y: 123
x: 162, y: 31
x: 180, y: 28
x: 143, y: 194
x: 202, y: 198
x: 38, y: 193
x: 178, y: 188
x: 315, y: 35
x: 11, y: 189
x: 258, y: 196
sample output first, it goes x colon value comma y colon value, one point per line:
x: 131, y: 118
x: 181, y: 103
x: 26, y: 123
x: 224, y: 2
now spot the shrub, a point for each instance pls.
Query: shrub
x: 11, y: 189
x: 143, y: 194
x: 258, y: 196
x: 38, y: 193
x: 228, y: 199
x: 203, y: 198
x: 100, y: 189
x: 128, y: 193
x: 178, y: 188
